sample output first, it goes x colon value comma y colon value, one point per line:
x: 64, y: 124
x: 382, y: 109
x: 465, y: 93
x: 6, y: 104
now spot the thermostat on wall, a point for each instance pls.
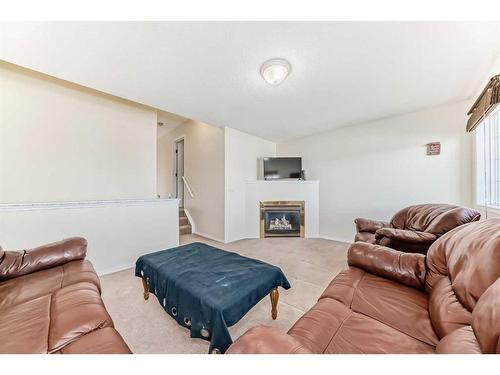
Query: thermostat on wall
x: 434, y: 148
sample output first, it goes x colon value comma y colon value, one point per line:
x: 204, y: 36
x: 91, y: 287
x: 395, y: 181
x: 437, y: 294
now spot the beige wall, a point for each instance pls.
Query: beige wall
x: 204, y: 169
x: 62, y: 142
x: 374, y: 169
x: 242, y: 152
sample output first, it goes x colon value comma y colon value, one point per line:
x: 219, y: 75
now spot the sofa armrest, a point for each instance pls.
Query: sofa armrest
x: 23, y: 262
x: 266, y: 340
x: 370, y: 226
x: 404, y: 235
x: 405, y: 268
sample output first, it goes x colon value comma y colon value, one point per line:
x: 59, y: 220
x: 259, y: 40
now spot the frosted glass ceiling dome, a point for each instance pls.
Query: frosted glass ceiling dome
x: 275, y: 71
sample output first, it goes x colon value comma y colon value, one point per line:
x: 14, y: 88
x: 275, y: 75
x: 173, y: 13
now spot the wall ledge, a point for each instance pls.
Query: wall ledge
x: 85, y: 204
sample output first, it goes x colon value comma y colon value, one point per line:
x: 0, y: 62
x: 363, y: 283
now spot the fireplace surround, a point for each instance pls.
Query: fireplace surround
x: 282, y: 218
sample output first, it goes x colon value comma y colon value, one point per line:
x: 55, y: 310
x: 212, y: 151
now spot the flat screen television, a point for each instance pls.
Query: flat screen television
x: 282, y: 168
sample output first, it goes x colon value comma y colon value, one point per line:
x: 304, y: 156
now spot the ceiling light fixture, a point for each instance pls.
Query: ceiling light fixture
x: 275, y: 71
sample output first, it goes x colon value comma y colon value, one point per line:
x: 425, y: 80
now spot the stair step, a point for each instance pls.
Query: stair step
x: 183, y: 220
x: 182, y: 213
x: 185, y: 229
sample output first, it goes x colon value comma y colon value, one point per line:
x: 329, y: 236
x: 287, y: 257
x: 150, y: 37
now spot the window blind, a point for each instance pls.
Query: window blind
x: 488, y: 161
x: 485, y: 103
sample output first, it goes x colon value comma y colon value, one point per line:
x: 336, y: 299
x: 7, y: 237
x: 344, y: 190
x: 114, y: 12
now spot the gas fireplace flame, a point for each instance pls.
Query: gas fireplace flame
x: 280, y: 224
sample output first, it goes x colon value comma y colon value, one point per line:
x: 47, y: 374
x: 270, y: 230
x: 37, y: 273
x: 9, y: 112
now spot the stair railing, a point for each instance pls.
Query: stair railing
x: 188, y: 187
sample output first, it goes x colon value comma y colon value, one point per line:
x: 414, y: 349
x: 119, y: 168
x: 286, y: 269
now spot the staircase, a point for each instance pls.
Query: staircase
x: 184, y: 224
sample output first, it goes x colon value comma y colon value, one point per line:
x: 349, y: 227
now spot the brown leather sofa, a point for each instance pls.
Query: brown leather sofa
x: 414, y: 228
x: 50, y: 302
x: 389, y: 301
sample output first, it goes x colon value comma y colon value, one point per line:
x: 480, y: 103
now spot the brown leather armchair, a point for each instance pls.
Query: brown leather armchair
x: 414, y: 228
x: 50, y: 302
x: 389, y: 301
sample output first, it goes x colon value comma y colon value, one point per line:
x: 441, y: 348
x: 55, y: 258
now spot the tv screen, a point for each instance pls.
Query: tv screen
x: 282, y: 168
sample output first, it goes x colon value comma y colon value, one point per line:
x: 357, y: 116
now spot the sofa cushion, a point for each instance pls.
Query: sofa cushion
x: 267, y: 340
x: 100, y: 341
x: 331, y: 327
x: 398, y: 306
x: 75, y: 311
x: 451, y: 219
x: 446, y: 312
x: 34, y: 285
x: 24, y: 328
x: 460, y: 341
x: 361, y: 334
x: 365, y: 237
x: 22, y: 262
x: 344, y: 285
x: 469, y: 257
x: 316, y: 328
x: 48, y: 323
x: 419, y: 217
x: 405, y: 268
x: 486, y: 319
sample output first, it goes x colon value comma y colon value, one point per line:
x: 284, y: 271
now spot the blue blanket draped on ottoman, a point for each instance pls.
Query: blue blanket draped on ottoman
x: 207, y: 289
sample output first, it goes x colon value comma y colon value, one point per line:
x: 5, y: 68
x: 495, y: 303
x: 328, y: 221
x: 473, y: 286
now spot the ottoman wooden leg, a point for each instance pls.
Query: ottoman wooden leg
x: 146, y: 288
x: 274, y: 303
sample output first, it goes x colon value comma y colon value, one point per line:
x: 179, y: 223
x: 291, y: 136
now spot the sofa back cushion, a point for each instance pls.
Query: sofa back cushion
x: 451, y: 219
x: 460, y: 341
x: 22, y: 262
x: 486, y: 319
x: 433, y: 218
x: 461, y: 266
x: 484, y: 334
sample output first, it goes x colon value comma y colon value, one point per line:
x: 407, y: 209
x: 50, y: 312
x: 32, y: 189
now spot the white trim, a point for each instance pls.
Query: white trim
x: 115, y: 269
x: 188, y: 187
x: 494, y: 211
x: 84, y: 204
x: 337, y: 239
x: 207, y: 236
x: 191, y: 221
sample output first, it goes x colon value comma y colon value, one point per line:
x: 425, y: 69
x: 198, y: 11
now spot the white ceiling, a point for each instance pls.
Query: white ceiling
x: 342, y: 72
x: 169, y: 122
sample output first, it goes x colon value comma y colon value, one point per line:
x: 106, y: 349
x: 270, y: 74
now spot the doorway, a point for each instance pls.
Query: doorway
x: 179, y: 170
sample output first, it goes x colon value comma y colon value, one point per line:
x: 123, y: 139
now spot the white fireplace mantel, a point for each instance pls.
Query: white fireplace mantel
x: 282, y: 190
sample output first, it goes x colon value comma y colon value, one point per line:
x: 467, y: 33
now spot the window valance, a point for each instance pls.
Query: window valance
x: 486, y: 102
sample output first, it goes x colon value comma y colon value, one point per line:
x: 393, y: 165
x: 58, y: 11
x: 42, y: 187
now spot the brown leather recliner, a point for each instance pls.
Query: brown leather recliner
x: 413, y: 229
x: 50, y: 302
x: 389, y: 301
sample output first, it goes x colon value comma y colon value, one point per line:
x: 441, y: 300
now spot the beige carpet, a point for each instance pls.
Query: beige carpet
x: 309, y: 265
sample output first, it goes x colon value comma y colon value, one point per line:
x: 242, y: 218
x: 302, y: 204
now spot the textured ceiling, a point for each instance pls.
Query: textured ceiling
x: 343, y: 73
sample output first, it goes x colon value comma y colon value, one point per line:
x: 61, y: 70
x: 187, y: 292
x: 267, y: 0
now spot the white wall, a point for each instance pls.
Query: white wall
x: 374, y: 169
x: 242, y: 152
x: 118, y: 232
x: 62, y: 142
x: 204, y: 169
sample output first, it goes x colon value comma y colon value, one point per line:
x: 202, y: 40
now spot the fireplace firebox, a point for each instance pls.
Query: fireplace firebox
x: 282, y: 219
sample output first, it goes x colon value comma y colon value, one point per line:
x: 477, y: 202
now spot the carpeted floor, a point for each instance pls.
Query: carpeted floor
x: 309, y: 265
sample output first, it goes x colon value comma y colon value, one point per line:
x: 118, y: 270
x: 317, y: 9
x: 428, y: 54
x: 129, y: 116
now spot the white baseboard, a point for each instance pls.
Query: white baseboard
x: 338, y: 239
x: 191, y: 221
x: 115, y: 269
x: 207, y: 236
